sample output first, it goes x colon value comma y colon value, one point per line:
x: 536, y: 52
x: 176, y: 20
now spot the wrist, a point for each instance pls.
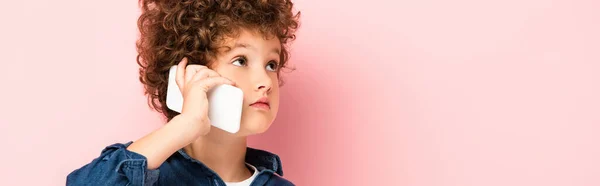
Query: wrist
x: 185, y: 127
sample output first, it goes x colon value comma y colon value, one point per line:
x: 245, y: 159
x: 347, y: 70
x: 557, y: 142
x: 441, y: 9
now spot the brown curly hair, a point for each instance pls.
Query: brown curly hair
x: 173, y: 29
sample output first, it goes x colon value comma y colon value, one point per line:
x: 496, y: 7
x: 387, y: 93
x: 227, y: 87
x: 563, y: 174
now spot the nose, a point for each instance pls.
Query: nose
x: 262, y: 82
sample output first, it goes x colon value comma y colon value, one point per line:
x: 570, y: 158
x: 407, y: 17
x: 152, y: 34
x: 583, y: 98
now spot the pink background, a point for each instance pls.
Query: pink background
x: 420, y: 93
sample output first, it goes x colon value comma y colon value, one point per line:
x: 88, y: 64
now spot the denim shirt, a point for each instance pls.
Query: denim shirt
x: 119, y: 166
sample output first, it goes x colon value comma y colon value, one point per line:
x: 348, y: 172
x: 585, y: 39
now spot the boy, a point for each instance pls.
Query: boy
x: 213, y: 42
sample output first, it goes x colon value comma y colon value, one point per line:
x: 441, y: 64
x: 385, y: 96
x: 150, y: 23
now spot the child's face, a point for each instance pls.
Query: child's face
x: 252, y: 63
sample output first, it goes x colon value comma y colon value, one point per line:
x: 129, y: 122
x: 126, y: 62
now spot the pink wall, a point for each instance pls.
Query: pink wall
x: 420, y: 93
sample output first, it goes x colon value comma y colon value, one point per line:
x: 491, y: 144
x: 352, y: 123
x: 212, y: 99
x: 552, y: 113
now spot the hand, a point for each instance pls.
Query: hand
x: 194, y: 81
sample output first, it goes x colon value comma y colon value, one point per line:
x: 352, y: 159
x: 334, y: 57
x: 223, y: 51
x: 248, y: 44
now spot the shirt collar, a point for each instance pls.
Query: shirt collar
x: 261, y: 159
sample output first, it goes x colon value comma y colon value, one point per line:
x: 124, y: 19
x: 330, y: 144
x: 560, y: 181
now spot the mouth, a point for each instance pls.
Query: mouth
x: 262, y: 103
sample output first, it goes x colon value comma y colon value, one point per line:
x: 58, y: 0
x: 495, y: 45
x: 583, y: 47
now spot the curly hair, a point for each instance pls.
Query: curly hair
x: 173, y: 29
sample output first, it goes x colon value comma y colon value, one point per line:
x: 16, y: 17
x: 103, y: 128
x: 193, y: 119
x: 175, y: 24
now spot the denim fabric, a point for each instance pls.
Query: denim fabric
x: 119, y: 166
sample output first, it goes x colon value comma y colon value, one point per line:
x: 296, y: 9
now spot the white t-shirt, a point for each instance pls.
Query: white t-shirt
x: 245, y: 182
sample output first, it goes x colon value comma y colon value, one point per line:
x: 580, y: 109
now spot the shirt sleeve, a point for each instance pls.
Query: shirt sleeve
x: 115, y: 166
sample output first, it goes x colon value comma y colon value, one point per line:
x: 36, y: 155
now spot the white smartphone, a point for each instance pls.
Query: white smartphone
x: 225, y: 103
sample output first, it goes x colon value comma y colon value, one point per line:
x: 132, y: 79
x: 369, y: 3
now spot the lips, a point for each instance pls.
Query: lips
x: 262, y: 103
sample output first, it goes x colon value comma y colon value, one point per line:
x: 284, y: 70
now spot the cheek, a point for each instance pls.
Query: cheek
x: 275, y: 99
x: 235, y: 76
x: 239, y: 79
x: 275, y: 87
x: 229, y: 73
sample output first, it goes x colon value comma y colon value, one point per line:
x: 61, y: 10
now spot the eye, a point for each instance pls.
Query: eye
x: 272, y: 66
x: 240, y: 61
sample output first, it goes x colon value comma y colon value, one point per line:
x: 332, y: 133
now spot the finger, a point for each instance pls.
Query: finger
x: 211, y: 82
x: 180, y: 78
x: 191, y: 71
x: 204, y: 73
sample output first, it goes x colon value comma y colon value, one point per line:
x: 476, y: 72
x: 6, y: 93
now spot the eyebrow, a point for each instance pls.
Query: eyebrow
x: 248, y: 46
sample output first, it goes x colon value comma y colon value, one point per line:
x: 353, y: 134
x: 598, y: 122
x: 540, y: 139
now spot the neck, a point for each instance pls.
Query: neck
x: 223, y: 153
